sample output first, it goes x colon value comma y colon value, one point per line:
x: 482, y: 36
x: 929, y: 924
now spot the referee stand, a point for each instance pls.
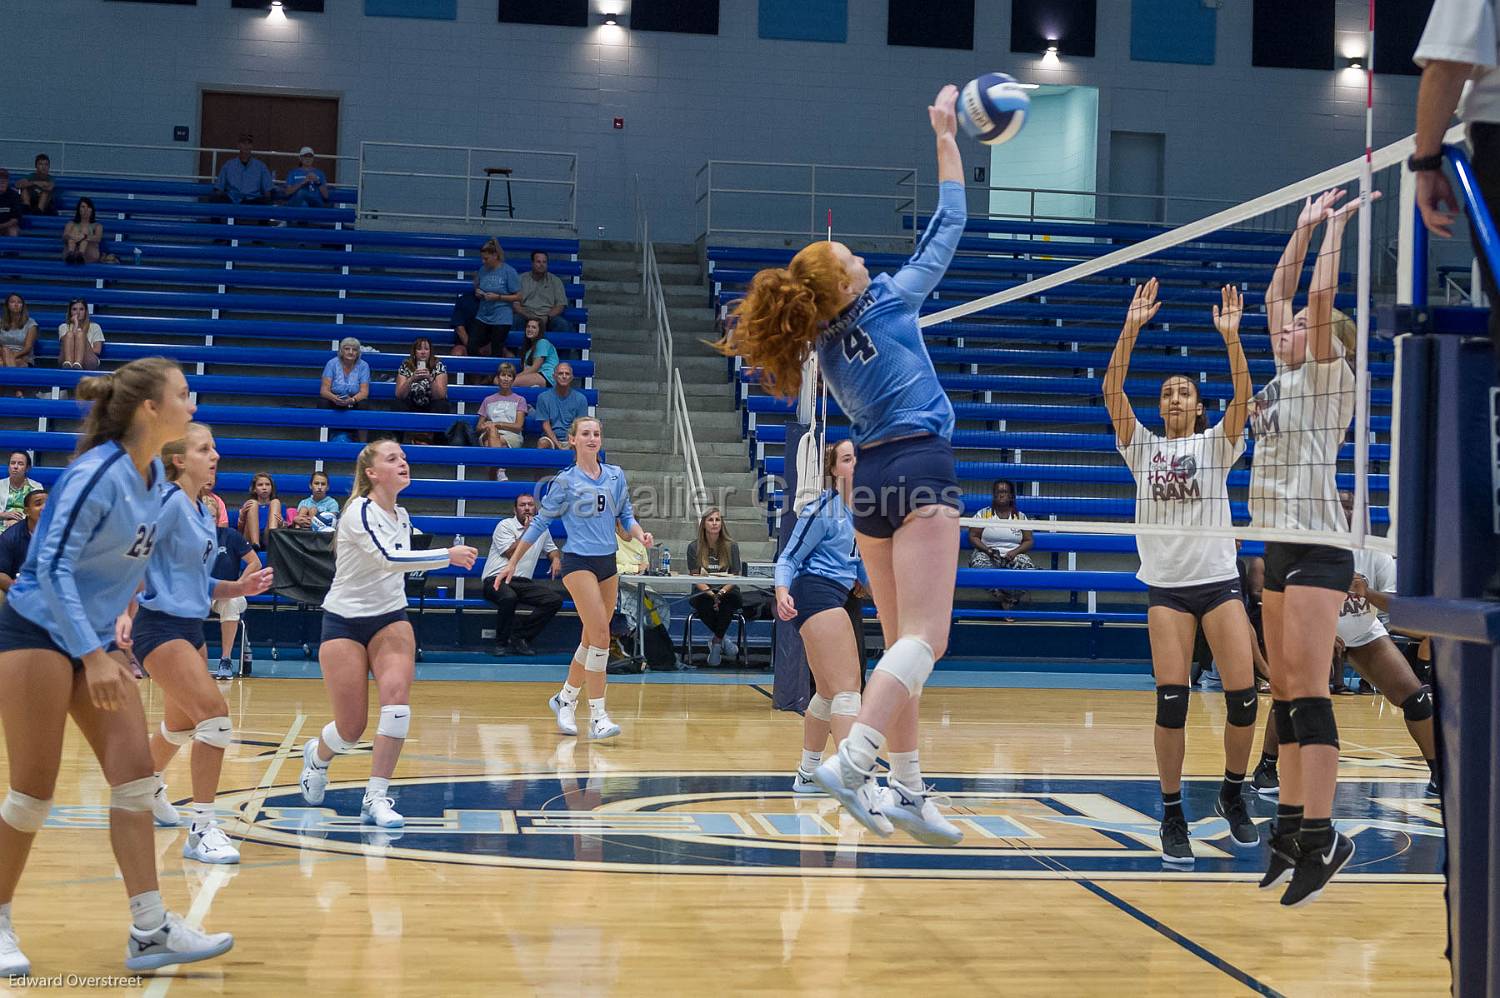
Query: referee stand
x: 1448, y: 553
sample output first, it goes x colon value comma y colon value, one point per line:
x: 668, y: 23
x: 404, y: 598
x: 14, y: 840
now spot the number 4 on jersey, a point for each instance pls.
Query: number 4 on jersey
x: 858, y: 346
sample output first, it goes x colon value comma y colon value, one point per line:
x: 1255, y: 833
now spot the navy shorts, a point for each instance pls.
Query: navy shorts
x: 601, y: 565
x: 1196, y: 601
x: 152, y: 629
x: 813, y: 594
x: 361, y: 629
x: 892, y: 480
x: 19, y: 634
x: 1315, y: 565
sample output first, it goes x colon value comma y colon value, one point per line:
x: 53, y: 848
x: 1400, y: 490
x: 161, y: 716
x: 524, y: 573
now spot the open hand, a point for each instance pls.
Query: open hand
x: 1227, y: 314
x: 1143, y: 307
x: 940, y: 112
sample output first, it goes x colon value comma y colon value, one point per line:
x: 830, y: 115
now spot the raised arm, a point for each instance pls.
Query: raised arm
x: 939, y: 242
x: 1227, y: 322
x: 1143, y: 308
x: 1288, y: 273
x: 1325, y: 282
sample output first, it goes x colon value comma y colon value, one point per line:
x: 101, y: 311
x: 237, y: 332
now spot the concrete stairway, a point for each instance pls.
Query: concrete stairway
x: 633, y: 398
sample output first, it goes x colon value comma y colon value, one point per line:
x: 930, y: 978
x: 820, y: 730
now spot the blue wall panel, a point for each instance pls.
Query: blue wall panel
x: 435, y: 10
x: 805, y: 20
x: 1172, y: 31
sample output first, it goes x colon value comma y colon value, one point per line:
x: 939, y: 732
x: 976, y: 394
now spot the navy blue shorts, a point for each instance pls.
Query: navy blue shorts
x: 152, y: 629
x: 1314, y: 565
x: 601, y: 565
x: 19, y: 634
x: 361, y: 629
x: 1198, y: 601
x: 813, y: 594
x: 895, y: 479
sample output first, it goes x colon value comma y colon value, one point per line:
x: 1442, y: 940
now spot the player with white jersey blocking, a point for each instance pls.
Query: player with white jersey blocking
x: 365, y: 630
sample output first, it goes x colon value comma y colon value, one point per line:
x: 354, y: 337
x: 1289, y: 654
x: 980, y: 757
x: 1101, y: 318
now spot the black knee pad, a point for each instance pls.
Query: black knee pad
x: 1241, y: 706
x: 1418, y: 706
x: 1313, y: 719
x: 1281, y: 714
x: 1171, y: 706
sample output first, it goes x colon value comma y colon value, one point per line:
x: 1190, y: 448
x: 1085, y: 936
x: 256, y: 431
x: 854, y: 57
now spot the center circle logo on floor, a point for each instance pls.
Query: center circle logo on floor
x: 752, y: 824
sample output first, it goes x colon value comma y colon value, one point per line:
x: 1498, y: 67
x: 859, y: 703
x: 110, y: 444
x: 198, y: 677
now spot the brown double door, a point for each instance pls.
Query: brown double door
x: 283, y: 122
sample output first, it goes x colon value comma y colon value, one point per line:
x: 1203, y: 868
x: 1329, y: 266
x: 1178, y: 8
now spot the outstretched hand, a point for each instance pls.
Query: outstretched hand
x: 1143, y: 307
x: 1315, y: 209
x: 941, y: 112
x: 1227, y: 315
x: 1341, y: 215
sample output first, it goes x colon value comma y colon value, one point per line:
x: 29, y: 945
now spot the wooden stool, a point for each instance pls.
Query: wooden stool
x: 490, y: 173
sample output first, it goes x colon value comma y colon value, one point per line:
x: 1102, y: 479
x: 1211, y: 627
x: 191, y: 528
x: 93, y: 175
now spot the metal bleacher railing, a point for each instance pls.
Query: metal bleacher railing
x: 435, y: 185
x: 140, y: 161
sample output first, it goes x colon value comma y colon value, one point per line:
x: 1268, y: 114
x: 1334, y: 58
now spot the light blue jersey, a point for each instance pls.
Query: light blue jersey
x: 872, y: 355
x: 822, y: 544
x: 179, y: 573
x: 588, y: 508
x: 90, y: 549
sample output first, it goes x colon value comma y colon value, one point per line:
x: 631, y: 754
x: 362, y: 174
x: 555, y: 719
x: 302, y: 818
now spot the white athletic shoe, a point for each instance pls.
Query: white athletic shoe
x: 715, y: 652
x: 162, y: 811
x: 803, y: 783
x: 13, y: 962
x: 918, y: 816
x: 380, y: 812
x: 731, y: 649
x: 566, y: 713
x: 314, y: 777
x: 602, y: 727
x: 174, y: 941
x: 854, y: 789
x: 210, y: 846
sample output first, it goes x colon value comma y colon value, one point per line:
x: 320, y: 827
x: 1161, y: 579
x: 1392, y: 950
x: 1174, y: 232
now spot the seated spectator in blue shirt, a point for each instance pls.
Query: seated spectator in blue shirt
x: 346, y: 380
x: 244, y: 179
x: 15, y: 541
x: 306, y: 185
x: 558, y: 407
x: 234, y: 558
x: 498, y: 287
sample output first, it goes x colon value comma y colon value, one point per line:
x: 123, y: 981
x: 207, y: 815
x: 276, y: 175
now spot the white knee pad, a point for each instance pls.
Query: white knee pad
x: 598, y: 659
x: 332, y: 742
x: 133, y: 796
x: 395, y: 720
x: 818, y: 707
x: 909, y: 661
x: 178, y: 738
x: 581, y: 654
x: 23, y: 813
x: 215, y: 731
x: 846, y: 704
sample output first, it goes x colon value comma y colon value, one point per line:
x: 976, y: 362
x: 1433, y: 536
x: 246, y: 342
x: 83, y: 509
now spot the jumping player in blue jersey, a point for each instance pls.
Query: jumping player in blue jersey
x: 58, y: 658
x: 906, y: 500
x: 589, y: 498
x: 167, y: 637
x: 815, y: 574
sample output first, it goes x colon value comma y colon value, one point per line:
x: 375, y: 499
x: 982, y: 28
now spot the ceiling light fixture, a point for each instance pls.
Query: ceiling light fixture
x: 612, y: 18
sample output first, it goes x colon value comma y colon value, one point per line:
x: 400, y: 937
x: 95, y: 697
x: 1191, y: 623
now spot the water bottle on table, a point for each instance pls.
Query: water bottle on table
x: 666, y: 561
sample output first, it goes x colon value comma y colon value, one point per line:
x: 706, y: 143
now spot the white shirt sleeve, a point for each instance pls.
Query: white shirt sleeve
x: 1383, y: 570
x: 1459, y: 31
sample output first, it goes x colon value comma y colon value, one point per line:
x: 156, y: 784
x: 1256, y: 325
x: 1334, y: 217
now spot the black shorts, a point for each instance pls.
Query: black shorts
x: 893, y: 480
x: 361, y: 629
x: 487, y: 336
x: 601, y: 565
x: 1313, y: 565
x: 1195, y: 600
x: 813, y: 594
x: 152, y: 629
x: 19, y: 634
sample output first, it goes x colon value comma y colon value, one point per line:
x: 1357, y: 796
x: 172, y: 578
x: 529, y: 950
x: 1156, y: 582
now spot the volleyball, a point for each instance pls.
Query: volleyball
x: 993, y: 108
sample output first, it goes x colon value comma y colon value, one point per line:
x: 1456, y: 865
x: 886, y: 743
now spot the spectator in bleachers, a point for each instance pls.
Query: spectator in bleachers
x: 538, y: 358
x: 221, y: 518
x: 714, y: 552
x: 12, y: 208
x: 17, y: 333
x: 543, y: 296
x: 319, y: 511
x: 502, y: 415
x: 233, y: 552
x: 83, y: 235
x: 422, y: 380
x: 80, y: 340
x: 540, y: 595
x: 38, y: 190
x: 1001, y: 545
x: 558, y: 406
x: 244, y: 179
x: 15, y: 488
x: 15, y: 542
x: 346, y: 379
x: 497, y: 286
x: 261, y: 513
x: 306, y: 185
x: 465, y: 310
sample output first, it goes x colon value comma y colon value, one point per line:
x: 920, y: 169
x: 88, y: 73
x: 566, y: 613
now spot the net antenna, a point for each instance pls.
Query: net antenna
x: 1360, y: 526
x: 812, y: 409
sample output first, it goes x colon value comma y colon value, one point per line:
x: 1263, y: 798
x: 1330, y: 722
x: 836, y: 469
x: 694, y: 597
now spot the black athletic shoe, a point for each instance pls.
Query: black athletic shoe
x: 1176, y: 847
x: 520, y: 646
x: 1284, y: 853
x: 1241, y: 828
x: 1265, y: 780
x: 1314, y: 870
x: 1434, y: 788
x: 502, y: 650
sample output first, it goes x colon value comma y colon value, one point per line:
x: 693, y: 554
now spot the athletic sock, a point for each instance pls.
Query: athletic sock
x: 1171, y: 806
x: 377, y: 787
x: 203, y: 815
x: 906, y: 770
x: 1229, y: 790
x: 568, y: 693
x: 1267, y: 759
x: 147, y: 911
x: 5, y: 914
x: 1432, y: 768
x: 862, y: 745
x: 1288, y: 819
x: 810, y: 760
x: 1316, y: 834
x: 596, y: 708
